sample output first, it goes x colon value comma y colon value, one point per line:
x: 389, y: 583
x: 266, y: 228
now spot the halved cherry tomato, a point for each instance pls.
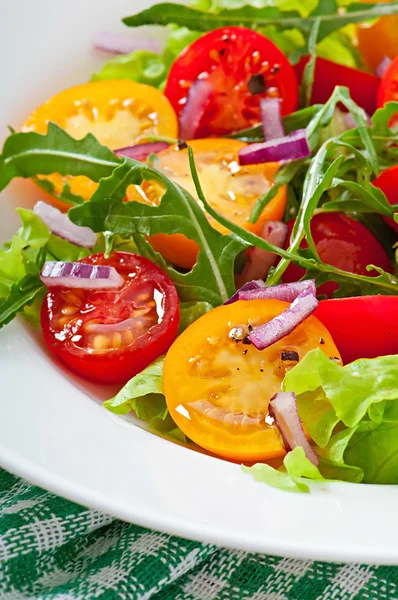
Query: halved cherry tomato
x: 363, y: 327
x: 111, y: 335
x: 119, y: 113
x: 363, y: 86
x: 377, y: 40
x: 343, y: 243
x: 228, y: 58
x: 387, y: 181
x: 388, y: 90
x: 218, y: 390
x: 230, y: 189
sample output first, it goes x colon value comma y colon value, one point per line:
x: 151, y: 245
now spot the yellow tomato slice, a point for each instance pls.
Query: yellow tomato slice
x: 377, y: 39
x: 119, y: 113
x: 231, y: 189
x: 218, y: 390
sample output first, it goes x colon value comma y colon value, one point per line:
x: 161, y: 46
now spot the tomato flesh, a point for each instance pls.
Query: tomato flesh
x: 388, y: 90
x: 231, y: 189
x: 228, y: 58
x: 387, y: 182
x: 111, y: 335
x: 363, y: 327
x: 363, y: 86
x: 342, y: 243
x: 218, y: 390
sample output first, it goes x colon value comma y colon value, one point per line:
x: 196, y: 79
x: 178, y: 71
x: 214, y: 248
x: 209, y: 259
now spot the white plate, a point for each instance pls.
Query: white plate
x: 54, y: 433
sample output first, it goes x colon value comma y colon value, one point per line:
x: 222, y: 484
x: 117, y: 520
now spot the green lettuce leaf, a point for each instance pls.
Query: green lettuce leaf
x: 350, y: 390
x: 298, y: 470
x: 191, y: 311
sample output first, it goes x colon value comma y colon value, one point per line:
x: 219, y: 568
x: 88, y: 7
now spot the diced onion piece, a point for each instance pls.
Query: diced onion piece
x: 271, y: 118
x: 120, y: 43
x: 61, y: 225
x: 80, y: 275
x: 285, y: 291
x: 383, y: 66
x: 284, y: 149
x: 281, y: 325
x: 142, y: 151
x: 194, y: 109
x: 259, y: 261
x: 283, y: 409
x: 250, y: 285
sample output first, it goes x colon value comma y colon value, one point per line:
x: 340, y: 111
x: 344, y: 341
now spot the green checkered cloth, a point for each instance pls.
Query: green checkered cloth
x: 53, y: 549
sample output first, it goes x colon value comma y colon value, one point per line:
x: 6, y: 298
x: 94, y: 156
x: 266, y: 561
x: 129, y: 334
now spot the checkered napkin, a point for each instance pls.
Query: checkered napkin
x: 53, y: 549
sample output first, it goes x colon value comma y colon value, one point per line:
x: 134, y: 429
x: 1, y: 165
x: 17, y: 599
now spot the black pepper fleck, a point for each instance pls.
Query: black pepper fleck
x: 250, y: 328
x: 321, y: 341
x: 181, y: 145
x: 237, y: 368
x: 261, y: 370
x: 275, y: 69
x: 244, y: 352
x: 335, y: 358
x: 256, y: 84
x: 290, y: 355
x: 222, y: 51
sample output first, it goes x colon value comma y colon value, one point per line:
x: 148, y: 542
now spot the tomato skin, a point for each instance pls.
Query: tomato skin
x: 218, y: 390
x: 387, y: 182
x: 363, y: 86
x: 112, y: 364
x: 342, y: 243
x: 362, y: 327
x: 388, y: 90
x: 221, y: 58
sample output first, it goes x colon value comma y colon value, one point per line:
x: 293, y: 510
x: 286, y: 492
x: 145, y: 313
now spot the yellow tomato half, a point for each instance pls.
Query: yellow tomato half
x: 218, y: 390
x: 118, y: 113
x: 231, y: 189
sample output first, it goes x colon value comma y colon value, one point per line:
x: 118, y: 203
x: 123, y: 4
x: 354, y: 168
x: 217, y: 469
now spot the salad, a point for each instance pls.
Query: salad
x: 218, y: 233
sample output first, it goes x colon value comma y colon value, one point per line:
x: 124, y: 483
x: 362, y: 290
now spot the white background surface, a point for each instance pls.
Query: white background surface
x: 54, y: 433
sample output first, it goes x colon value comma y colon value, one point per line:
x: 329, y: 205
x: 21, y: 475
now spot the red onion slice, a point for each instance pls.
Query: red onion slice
x: 142, y: 151
x: 195, y: 107
x: 271, y: 118
x: 283, y: 408
x: 120, y: 43
x: 287, y: 292
x: 61, y: 225
x: 290, y: 147
x: 383, y: 66
x: 80, y: 275
x: 259, y: 261
x: 281, y: 325
x: 250, y: 285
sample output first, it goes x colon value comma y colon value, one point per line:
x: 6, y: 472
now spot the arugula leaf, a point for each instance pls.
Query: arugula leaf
x: 30, y: 154
x: 212, y: 278
x: 331, y: 18
x: 307, y: 82
x: 298, y: 470
x: 191, y: 311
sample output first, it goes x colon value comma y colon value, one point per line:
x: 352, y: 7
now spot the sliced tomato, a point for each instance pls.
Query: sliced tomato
x: 231, y: 189
x: 387, y: 181
x: 228, y: 59
x: 343, y: 243
x: 111, y: 335
x: 119, y: 113
x: 379, y: 39
x: 388, y: 90
x: 218, y: 390
x: 363, y: 327
x: 363, y: 86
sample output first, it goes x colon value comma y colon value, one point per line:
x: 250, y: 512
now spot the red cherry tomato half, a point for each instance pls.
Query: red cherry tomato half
x: 228, y: 58
x: 343, y: 243
x: 387, y: 181
x: 111, y: 335
x: 363, y: 327
x: 388, y: 90
x: 363, y: 86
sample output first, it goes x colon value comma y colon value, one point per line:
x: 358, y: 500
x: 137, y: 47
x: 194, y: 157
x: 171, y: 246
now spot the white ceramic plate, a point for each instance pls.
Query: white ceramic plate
x: 54, y: 433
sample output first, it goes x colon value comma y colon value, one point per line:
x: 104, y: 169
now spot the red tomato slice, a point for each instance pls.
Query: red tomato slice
x: 343, y: 243
x: 363, y: 327
x: 388, y: 90
x: 111, y: 335
x: 387, y: 181
x: 228, y: 58
x: 363, y: 86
